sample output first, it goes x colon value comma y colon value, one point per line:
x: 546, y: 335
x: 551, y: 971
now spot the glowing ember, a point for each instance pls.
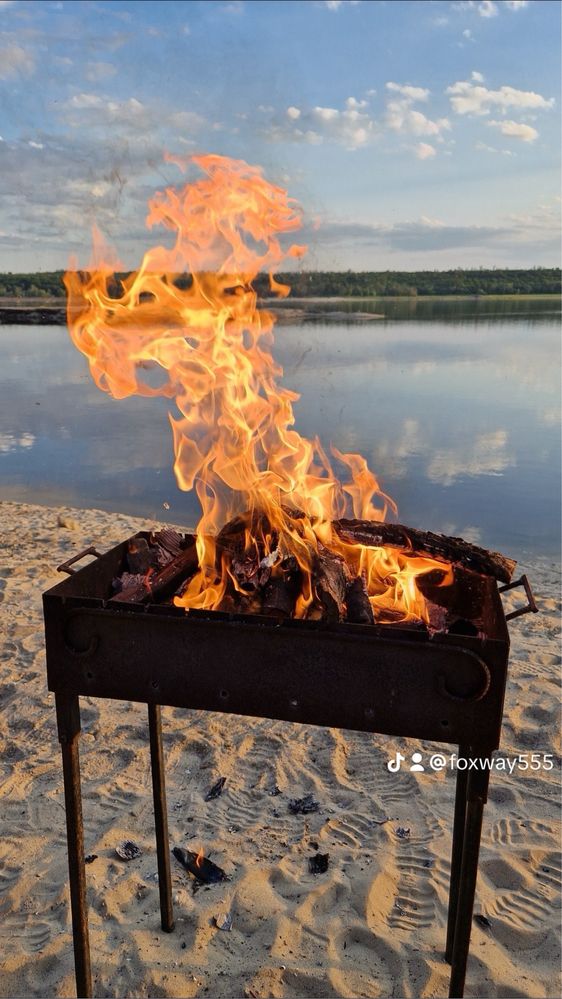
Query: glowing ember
x: 234, y: 436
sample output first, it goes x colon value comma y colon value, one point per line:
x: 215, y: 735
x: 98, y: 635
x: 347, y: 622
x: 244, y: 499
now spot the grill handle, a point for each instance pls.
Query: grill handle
x: 65, y: 567
x: 530, y: 608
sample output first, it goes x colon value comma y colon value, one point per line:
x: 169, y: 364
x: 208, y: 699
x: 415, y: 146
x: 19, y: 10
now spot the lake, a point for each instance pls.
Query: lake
x: 455, y: 404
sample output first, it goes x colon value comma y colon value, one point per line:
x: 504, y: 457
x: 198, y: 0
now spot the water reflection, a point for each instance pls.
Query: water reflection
x: 460, y: 420
x: 9, y: 442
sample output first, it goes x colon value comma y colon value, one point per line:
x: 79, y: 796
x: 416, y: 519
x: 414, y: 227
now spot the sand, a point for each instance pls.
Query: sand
x: 372, y: 925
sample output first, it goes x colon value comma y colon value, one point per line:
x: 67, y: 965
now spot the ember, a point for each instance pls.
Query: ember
x: 233, y: 435
x: 203, y: 869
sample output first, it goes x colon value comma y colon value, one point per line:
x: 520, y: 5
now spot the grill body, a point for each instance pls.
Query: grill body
x: 393, y: 680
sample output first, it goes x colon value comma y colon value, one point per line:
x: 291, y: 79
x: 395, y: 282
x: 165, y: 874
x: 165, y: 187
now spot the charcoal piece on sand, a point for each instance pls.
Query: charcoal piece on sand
x: 318, y: 864
x: 216, y: 789
x: 303, y: 806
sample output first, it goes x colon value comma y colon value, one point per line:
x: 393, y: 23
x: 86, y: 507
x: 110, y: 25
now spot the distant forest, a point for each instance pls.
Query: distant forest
x: 364, y: 284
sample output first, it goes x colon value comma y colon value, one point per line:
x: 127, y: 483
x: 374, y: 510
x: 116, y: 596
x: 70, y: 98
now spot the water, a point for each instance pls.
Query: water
x: 456, y: 406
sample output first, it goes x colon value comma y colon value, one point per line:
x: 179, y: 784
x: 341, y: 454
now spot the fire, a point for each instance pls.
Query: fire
x: 200, y: 858
x: 191, y: 312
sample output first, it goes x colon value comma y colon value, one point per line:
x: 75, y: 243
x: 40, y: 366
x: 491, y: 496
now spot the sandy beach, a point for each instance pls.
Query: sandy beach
x: 372, y: 925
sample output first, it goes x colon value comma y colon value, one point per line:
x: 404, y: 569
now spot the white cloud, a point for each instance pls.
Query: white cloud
x: 96, y: 71
x: 335, y: 5
x: 526, y: 233
x: 15, y: 60
x: 235, y: 7
x: 476, y: 76
x: 354, y: 105
x: 134, y: 118
x: 424, y: 151
x: 401, y: 117
x: 408, y: 92
x: 6, y: 3
x: 487, y: 9
x: 515, y: 129
x: 467, y: 33
x: 469, y: 97
x: 351, y: 127
x: 483, y: 147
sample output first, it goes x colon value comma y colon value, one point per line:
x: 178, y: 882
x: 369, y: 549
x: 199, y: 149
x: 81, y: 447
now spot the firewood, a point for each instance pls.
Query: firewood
x: 330, y: 575
x: 282, y: 589
x: 278, y: 601
x: 425, y: 544
x: 359, y: 610
x: 157, y: 585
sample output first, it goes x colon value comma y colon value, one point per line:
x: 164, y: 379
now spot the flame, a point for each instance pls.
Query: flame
x: 233, y: 432
x: 200, y: 858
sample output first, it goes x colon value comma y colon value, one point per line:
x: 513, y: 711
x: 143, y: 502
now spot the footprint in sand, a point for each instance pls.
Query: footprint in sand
x: 522, y: 832
x: 362, y: 960
x: 29, y: 934
x: 534, y: 901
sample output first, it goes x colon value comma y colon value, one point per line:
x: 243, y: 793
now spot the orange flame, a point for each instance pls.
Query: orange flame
x: 200, y: 858
x: 234, y: 436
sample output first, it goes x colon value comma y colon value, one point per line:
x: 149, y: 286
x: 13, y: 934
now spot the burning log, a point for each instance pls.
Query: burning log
x: 425, y: 544
x: 282, y: 589
x: 160, y: 584
x: 331, y: 576
x: 359, y: 610
x: 163, y: 547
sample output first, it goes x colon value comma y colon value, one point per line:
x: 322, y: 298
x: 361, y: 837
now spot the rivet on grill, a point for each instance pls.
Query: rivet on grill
x: 89, y: 676
x: 224, y: 694
x: 369, y: 713
x: 445, y: 724
x: 294, y: 703
x: 155, y: 684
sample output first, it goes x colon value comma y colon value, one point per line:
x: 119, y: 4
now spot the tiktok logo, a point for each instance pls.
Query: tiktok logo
x: 394, y: 765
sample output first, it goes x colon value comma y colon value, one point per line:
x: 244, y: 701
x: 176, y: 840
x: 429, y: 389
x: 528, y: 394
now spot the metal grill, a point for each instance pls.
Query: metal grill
x: 391, y: 679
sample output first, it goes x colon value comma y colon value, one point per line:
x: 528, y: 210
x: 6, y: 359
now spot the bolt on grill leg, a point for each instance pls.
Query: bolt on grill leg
x: 68, y: 720
x: 160, y: 817
x: 476, y: 797
x: 456, y: 853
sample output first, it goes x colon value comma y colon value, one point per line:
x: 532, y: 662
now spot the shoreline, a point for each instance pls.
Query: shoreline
x: 27, y: 312
x: 372, y: 925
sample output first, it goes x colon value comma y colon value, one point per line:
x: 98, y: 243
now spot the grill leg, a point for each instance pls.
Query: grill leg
x: 160, y: 817
x: 476, y: 797
x: 68, y: 721
x: 456, y: 855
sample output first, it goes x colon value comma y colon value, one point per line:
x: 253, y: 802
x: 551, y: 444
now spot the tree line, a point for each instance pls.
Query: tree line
x: 363, y: 284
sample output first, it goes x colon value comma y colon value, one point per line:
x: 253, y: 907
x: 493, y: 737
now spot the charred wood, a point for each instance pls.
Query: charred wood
x: 359, y: 610
x: 331, y: 576
x: 425, y: 544
x: 159, y: 584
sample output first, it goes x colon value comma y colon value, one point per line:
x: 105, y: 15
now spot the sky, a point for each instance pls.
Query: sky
x: 415, y: 135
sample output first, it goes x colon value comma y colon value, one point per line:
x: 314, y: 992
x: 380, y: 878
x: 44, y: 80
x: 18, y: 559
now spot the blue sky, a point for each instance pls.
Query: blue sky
x: 414, y: 134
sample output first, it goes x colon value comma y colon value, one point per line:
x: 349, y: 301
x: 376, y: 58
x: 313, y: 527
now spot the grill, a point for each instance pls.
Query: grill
x: 396, y: 680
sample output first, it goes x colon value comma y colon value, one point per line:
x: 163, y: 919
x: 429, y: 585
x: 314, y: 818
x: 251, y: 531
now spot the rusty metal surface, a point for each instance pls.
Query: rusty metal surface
x: 386, y: 679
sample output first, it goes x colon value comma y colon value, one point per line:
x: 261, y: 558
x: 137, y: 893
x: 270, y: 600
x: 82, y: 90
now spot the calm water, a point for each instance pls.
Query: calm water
x: 456, y: 405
